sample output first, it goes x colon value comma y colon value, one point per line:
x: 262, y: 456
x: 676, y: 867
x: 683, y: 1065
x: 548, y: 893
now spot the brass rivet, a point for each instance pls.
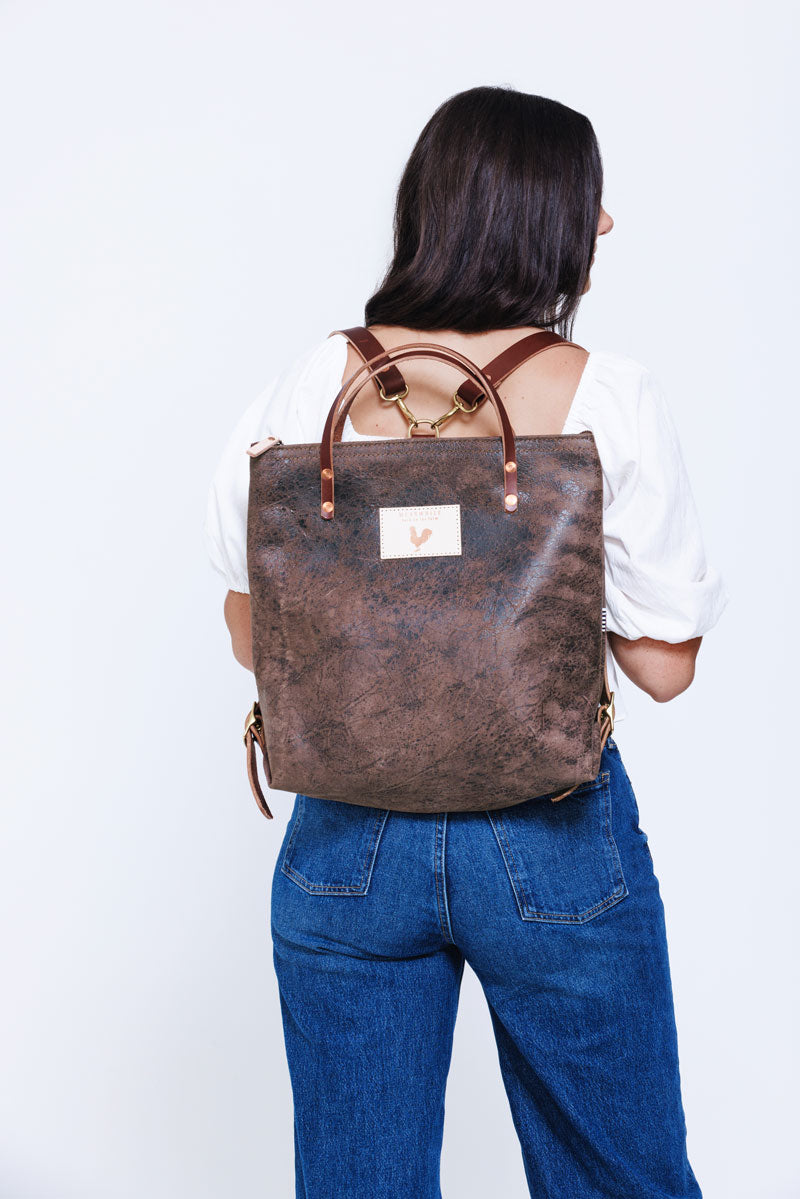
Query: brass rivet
x: 327, y: 473
x: 511, y: 467
x: 327, y: 506
x: 511, y: 501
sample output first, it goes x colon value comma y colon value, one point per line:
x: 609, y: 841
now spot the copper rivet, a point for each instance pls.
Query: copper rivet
x: 511, y: 466
x: 511, y: 501
x: 327, y: 473
x: 327, y: 506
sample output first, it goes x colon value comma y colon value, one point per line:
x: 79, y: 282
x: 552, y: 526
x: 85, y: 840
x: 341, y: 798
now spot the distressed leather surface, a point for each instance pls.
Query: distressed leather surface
x: 439, y: 683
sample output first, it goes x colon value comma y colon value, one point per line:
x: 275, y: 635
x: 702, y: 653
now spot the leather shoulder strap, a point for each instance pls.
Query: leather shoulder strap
x: 505, y: 363
x: 389, y: 382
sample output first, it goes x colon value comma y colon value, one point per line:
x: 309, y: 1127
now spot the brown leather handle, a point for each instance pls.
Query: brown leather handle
x: 254, y: 735
x: 352, y: 386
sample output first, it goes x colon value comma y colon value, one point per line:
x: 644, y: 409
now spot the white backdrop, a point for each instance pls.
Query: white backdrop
x: 192, y: 194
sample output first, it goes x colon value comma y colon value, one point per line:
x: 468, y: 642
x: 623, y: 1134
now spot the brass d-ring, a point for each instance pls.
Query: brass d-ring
x: 421, y: 420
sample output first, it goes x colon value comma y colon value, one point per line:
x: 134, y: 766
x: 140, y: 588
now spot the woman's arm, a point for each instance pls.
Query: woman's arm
x: 237, y: 618
x: 660, y: 668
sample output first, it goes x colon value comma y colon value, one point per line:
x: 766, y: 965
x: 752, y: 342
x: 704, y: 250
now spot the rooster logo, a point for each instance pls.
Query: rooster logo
x: 419, y: 539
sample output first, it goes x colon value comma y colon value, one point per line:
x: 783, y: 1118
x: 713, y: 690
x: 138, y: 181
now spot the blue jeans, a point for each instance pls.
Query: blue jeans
x: 557, y: 910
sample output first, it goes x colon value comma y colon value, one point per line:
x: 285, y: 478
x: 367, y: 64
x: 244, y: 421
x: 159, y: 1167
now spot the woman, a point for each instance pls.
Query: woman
x: 498, y: 216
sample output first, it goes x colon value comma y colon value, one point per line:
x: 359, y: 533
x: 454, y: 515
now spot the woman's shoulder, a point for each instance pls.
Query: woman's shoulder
x: 612, y: 390
x: 605, y: 367
x: 616, y: 372
x: 316, y: 359
x: 288, y: 406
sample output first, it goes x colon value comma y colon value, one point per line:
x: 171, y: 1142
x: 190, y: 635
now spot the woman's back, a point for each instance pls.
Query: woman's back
x: 537, y: 395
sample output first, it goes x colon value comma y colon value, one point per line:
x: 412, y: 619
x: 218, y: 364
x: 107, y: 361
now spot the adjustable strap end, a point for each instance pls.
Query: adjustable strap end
x: 254, y: 735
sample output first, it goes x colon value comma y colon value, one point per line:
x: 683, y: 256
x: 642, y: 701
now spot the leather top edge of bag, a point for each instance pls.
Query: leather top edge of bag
x: 428, y: 614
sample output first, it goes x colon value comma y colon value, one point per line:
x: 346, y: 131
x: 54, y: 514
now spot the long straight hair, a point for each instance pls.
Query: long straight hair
x: 496, y: 217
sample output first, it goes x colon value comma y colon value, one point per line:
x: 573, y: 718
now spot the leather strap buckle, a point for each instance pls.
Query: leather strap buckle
x: 253, y: 736
x: 253, y: 720
x: 606, y: 712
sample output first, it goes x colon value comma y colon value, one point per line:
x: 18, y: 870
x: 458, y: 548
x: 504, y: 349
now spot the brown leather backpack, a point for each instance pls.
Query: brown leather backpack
x: 433, y: 638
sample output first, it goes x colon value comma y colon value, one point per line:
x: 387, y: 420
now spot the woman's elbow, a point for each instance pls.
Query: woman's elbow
x: 243, y: 651
x: 662, y: 690
x: 237, y: 618
x: 662, y: 670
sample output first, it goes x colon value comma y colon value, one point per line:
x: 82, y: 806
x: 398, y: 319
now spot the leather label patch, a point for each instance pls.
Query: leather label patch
x: 429, y: 531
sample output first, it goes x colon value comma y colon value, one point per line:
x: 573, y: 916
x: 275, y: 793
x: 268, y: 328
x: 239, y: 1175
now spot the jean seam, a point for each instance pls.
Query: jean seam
x: 440, y: 839
x: 511, y: 869
x: 301, y: 806
x: 612, y: 843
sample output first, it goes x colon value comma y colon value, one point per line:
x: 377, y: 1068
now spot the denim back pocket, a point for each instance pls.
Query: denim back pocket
x: 332, y: 846
x: 561, y: 857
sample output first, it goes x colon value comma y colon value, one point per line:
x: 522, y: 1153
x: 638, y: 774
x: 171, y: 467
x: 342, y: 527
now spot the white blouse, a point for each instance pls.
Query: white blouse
x: 658, y: 583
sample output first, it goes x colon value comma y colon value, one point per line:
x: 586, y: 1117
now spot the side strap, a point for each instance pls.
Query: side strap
x: 605, y: 715
x: 254, y: 734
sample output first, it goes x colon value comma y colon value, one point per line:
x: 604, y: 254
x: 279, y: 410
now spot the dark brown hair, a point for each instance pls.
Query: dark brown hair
x: 496, y: 217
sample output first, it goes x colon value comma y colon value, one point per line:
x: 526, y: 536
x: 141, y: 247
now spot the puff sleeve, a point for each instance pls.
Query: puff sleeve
x: 658, y: 581
x: 290, y: 407
x: 225, y: 525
